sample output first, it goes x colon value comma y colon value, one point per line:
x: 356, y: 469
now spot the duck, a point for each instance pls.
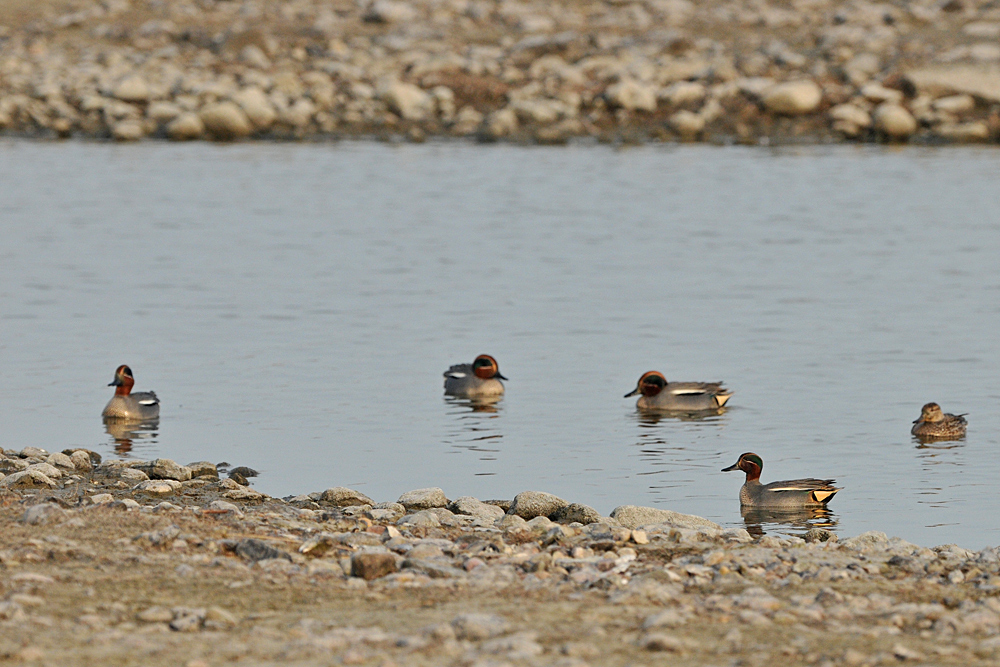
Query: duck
x: 126, y: 406
x: 934, y: 423
x: 658, y: 394
x: 789, y: 495
x: 479, y: 379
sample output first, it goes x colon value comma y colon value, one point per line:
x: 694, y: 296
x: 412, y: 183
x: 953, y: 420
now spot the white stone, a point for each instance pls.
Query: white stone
x: 973, y: 131
x: 687, y: 123
x: 683, y: 92
x: 132, y: 88
x: 254, y: 56
x: 422, y: 499
x: 185, y: 127
x: 226, y: 121
x: 793, y: 97
x: 501, y: 123
x: 157, y: 487
x: 631, y: 95
x: 128, y: 130
x: 876, y: 92
x: 894, y: 120
x: 163, y: 112
x: 957, y: 104
x: 406, y: 100
x: 850, y: 113
x: 257, y: 106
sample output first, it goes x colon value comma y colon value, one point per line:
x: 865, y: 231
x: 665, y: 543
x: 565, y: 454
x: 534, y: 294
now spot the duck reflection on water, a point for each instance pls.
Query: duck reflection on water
x: 125, y: 434
x: 797, y: 522
x: 476, y: 427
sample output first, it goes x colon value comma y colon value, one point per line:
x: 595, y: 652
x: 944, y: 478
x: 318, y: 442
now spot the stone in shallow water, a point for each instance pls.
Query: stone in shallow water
x: 529, y: 504
x: 422, y: 499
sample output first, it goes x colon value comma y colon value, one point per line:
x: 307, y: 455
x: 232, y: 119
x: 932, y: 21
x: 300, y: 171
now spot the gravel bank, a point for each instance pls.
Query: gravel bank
x: 107, y: 563
x: 721, y: 71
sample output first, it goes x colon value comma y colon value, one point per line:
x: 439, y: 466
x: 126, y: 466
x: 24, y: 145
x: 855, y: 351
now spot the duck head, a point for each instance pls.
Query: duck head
x: 650, y: 384
x: 123, y: 381
x: 486, y: 367
x: 930, y: 413
x: 749, y: 463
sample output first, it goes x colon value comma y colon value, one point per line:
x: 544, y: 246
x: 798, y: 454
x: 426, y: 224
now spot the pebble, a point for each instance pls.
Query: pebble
x: 478, y: 626
x: 793, y: 97
x: 27, y: 479
x: 42, y: 513
x: 474, y: 507
x: 225, y: 121
x: 894, y: 120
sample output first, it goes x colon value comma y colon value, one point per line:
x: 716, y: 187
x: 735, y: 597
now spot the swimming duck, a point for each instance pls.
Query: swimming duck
x: 790, y: 494
x: 933, y: 423
x: 125, y: 405
x: 658, y: 394
x: 478, y: 379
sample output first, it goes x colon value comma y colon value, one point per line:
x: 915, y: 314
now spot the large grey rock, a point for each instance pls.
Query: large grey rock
x: 60, y: 460
x: 27, y: 479
x: 226, y: 121
x: 46, y: 469
x: 529, y: 504
x: 13, y: 465
x: 633, y: 516
x: 871, y: 540
x: 894, y: 120
x: 474, y: 507
x: 340, y: 496
x: 793, y: 97
x: 423, y: 499
x: 165, y: 469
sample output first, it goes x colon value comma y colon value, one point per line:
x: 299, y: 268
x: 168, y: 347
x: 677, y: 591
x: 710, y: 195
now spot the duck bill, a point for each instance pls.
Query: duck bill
x: 115, y: 383
x: 632, y: 393
x: 500, y: 377
x: 735, y: 466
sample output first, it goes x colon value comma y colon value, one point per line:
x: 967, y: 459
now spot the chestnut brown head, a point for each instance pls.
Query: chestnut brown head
x: 486, y: 367
x: 650, y: 384
x: 749, y: 463
x: 123, y: 380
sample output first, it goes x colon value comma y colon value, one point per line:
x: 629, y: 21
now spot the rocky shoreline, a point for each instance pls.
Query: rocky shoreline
x: 620, y: 71
x: 110, y: 562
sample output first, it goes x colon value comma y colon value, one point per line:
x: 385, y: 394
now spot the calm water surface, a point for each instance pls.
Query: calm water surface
x: 294, y: 307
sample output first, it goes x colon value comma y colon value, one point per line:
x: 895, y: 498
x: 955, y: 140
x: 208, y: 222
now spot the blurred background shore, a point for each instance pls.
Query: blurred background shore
x: 722, y: 71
